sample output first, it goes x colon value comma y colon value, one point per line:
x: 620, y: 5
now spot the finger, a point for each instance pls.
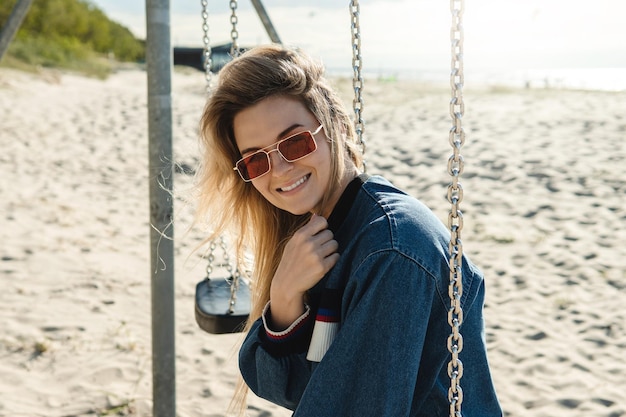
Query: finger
x: 328, y: 248
x: 316, y: 224
x: 329, y: 262
x: 322, y: 237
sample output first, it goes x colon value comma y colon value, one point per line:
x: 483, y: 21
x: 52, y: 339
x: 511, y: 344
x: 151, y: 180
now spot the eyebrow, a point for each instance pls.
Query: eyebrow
x: 280, y: 136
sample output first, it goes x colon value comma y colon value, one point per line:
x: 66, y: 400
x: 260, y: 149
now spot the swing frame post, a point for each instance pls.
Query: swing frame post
x: 265, y: 19
x: 12, y: 24
x: 161, y: 173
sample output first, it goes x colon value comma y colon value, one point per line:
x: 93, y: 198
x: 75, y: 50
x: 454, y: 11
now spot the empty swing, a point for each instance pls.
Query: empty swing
x: 222, y: 304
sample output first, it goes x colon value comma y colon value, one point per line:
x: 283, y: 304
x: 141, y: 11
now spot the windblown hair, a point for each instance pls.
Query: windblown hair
x: 233, y: 205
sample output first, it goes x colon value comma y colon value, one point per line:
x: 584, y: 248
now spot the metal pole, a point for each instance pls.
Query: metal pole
x: 13, y: 24
x: 265, y: 18
x: 159, y: 68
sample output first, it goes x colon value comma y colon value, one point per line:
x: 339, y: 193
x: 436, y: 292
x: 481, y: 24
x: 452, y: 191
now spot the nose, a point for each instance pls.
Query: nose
x: 279, y: 165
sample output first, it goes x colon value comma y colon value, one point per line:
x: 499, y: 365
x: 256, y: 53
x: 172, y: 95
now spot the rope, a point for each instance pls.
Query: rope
x: 455, y: 217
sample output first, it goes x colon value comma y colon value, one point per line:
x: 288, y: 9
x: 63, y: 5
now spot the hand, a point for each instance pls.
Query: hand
x: 308, y: 256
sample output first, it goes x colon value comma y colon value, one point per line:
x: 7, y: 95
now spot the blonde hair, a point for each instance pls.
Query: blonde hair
x: 231, y: 204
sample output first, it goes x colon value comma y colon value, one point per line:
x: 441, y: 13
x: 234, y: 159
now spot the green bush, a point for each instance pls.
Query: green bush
x: 70, y: 34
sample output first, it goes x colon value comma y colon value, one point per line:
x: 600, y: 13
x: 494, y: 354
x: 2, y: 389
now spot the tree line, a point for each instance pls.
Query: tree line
x: 55, y: 31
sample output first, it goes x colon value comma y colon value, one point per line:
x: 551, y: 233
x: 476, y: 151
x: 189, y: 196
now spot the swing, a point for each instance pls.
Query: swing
x: 455, y: 217
x: 231, y: 289
x: 455, y: 190
x: 222, y: 305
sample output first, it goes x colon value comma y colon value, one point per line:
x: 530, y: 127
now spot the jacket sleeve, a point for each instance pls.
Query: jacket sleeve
x: 371, y: 367
x: 273, y: 364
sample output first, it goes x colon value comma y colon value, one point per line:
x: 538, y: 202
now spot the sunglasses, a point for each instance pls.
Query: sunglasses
x: 291, y: 148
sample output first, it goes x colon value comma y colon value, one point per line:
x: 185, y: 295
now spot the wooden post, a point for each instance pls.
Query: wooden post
x: 13, y: 24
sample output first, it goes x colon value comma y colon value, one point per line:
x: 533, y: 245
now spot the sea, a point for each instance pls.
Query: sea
x: 595, y: 79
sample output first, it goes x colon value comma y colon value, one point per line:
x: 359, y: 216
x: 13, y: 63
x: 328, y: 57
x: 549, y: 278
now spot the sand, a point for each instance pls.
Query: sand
x: 544, y: 218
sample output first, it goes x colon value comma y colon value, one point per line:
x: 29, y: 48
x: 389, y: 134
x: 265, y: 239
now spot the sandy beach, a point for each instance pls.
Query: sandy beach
x: 544, y: 210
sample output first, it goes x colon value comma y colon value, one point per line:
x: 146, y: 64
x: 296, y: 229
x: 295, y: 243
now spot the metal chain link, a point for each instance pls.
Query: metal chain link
x: 357, y: 80
x: 234, y: 52
x: 455, y: 218
x: 234, y: 283
x: 206, y: 40
x: 234, y: 34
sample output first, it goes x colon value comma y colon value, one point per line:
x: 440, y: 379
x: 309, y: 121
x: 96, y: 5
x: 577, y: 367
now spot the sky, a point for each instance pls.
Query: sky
x: 413, y: 34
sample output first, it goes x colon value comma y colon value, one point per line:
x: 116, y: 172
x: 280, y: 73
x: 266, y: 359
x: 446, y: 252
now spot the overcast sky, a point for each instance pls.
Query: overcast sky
x: 414, y: 34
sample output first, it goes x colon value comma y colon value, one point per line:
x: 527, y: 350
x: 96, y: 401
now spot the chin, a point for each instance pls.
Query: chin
x: 301, y: 207
x: 298, y: 212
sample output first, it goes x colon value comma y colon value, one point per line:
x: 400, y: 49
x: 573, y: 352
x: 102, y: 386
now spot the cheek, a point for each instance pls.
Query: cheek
x: 264, y: 190
x: 261, y: 186
x: 323, y: 153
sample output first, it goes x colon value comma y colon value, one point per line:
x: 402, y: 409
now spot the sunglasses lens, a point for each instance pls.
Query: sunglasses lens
x: 292, y: 148
x: 254, y: 165
x: 297, y: 146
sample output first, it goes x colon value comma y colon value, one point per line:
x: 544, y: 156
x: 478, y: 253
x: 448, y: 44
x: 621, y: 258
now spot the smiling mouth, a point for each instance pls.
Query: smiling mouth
x: 295, y: 184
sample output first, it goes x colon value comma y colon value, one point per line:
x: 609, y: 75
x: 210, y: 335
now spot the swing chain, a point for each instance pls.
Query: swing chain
x: 357, y: 80
x: 208, y: 63
x: 234, y: 34
x: 235, y: 275
x: 455, y: 217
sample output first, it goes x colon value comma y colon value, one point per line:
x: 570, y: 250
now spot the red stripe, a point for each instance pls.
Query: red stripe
x: 327, y: 319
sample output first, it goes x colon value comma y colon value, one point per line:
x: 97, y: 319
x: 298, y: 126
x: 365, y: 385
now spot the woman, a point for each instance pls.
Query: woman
x: 349, y: 316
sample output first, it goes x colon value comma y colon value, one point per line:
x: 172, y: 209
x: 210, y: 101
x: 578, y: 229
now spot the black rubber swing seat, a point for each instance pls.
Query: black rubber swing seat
x: 212, y: 311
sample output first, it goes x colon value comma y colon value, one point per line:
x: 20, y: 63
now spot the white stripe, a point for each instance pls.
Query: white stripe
x: 288, y: 329
x: 323, y: 336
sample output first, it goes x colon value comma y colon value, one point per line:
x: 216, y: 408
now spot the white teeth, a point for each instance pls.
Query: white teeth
x: 294, y: 185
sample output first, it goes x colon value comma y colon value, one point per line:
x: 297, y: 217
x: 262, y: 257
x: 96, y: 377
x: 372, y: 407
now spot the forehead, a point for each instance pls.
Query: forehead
x: 266, y: 122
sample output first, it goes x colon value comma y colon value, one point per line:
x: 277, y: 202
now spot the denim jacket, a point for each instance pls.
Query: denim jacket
x: 389, y: 357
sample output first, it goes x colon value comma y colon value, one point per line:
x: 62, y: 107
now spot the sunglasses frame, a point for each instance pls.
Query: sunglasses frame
x: 275, y: 146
